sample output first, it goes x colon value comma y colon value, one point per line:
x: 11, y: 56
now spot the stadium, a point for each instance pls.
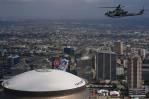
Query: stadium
x: 44, y: 84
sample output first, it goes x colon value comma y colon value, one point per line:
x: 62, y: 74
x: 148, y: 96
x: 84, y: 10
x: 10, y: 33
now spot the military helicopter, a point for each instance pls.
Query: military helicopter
x: 120, y: 12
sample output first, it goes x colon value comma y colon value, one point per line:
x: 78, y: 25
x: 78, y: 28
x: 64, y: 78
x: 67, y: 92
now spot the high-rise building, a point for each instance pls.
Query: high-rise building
x: 9, y: 62
x: 134, y: 72
x: 145, y: 70
x: 13, y: 60
x: 105, y: 64
x: 1, y: 67
x: 69, y: 51
x: 84, y: 67
x: 118, y: 47
x: 142, y: 53
x: 135, y: 77
x: 3, y: 62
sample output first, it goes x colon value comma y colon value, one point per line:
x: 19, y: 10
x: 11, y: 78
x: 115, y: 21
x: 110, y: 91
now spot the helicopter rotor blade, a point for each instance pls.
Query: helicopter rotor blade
x: 107, y: 7
x: 121, y: 6
x: 112, y: 7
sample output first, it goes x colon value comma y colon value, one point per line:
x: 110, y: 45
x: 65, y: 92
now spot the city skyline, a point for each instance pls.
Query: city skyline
x: 33, y: 45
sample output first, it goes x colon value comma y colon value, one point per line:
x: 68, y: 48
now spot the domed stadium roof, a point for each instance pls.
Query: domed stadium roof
x: 41, y: 80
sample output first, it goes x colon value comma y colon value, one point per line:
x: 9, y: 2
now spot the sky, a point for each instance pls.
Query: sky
x: 64, y: 9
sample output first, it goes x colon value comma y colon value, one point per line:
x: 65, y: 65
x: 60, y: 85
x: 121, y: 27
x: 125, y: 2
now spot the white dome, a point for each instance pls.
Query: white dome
x: 44, y: 81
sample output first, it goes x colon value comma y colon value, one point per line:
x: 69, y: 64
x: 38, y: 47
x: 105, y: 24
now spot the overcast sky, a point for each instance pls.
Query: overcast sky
x: 64, y: 9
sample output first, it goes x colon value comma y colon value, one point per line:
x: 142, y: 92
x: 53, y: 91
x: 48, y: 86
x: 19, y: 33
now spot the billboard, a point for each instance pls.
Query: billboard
x: 60, y: 63
x: 56, y: 62
x: 64, y: 64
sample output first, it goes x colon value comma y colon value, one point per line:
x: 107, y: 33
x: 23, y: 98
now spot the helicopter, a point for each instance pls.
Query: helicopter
x: 120, y: 12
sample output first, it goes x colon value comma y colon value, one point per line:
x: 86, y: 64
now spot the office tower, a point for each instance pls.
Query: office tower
x: 1, y: 67
x: 118, y: 47
x: 105, y: 63
x: 85, y: 67
x: 69, y: 51
x: 13, y: 60
x: 145, y: 70
x: 142, y: 53
x: 3, y: 64
x: 134, y: 72
x: 135, y: 77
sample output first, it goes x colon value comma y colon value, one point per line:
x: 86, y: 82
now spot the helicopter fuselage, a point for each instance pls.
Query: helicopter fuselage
x: 115, y: 14
x: 119, y: 12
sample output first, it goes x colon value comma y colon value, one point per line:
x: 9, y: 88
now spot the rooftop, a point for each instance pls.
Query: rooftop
x: 44, y: 81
